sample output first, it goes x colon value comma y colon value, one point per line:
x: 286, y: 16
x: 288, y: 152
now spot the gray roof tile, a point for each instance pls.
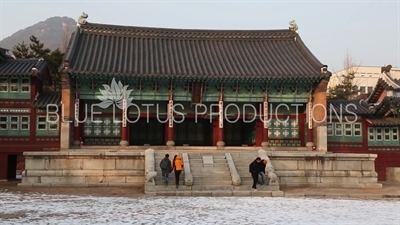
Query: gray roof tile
x: 141, y: 51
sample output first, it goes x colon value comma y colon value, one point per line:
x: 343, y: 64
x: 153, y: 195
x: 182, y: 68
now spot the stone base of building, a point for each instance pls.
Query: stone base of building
x: 319, y: 169
x: 108, y: 167
x: 87, y: 168
x: 393, y: 174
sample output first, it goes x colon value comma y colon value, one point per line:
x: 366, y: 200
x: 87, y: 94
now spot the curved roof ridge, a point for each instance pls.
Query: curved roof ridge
x: 107, y: 29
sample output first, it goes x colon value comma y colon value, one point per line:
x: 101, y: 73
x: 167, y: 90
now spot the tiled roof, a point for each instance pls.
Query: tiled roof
x: 387, y: 122
x: 385, y: 82
x: 16, y: 67
x: 239, y: 54
x: 348, y: 107
x: 4, y: 55
x: 46, y: 98
x: 387, y: 104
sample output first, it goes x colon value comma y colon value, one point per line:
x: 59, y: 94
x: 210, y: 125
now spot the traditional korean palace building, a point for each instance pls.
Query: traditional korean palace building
x: 23, y: 123
x: 369, y: 125
x: 214, y: 79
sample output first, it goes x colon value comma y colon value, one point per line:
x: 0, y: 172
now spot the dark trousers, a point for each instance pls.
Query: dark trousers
x: 177, y: 174
x: 255, y: 180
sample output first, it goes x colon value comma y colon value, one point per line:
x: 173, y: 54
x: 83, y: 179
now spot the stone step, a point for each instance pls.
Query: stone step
x: 212, y: 187
x: 209, y: 169
x: 194, y: 165
x: 220, y: 161
x: 212, y: 179
x: 211, y: 182
x: 211, y: 175
x: 170, y: 187
x: 218, y: 193
x: 244, y: 187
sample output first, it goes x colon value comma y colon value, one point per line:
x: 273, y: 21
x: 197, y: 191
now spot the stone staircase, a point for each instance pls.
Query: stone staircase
x: 242, y: 161
x: 210, y: 171
x: 211, y: 176
x: 159, y: 184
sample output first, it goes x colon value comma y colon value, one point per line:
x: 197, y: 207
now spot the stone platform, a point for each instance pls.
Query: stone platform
x: 211, y: 173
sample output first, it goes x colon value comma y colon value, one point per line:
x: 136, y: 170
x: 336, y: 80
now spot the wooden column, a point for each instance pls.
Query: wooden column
x: 124, y: 127
x: 170, y: 128
x: 220, y: 132
x: 265, y: 142
x: 320, y: 113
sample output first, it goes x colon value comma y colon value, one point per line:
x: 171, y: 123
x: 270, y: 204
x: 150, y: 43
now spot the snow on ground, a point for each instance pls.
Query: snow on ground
x: 32, y: 208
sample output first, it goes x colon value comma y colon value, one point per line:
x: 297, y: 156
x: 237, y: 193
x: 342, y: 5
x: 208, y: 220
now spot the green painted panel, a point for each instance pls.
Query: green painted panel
x: 102, y: 127
x: 283, y: 128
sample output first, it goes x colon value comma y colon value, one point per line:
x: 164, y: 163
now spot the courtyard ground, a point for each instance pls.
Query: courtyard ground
x: 389, y: 190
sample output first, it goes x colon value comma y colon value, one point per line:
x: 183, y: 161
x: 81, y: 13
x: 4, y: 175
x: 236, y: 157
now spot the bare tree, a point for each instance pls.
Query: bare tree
x: 347, y: 87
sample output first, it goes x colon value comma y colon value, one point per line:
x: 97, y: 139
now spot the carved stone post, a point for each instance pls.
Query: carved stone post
x: 220, y: 142
x: 265, y: 142
x: 170, y: 129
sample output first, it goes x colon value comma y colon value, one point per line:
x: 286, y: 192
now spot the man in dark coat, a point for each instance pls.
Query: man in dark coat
x: 255, y: 169
x: 166, y: 168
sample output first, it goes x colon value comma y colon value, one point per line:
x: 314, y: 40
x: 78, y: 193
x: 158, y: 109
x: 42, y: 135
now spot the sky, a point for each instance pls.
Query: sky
x: 366, y: 31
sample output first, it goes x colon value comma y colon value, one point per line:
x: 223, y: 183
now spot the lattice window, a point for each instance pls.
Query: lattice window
x: 3, y: 122
x: 14, y: 122
x: 348, y: 129
x: 387, y: 134
x: 379, y: 134
x: 3, y: 85
x: 357, y: 129
x: 330, y: 129
x: 338, y: 129
x: 14, y: 85
x: 41, y: 123
x: 53, y: 123
x: 371, y: 134
x: 25, y: 85
x: 395, y: 134
x: 24, y: 123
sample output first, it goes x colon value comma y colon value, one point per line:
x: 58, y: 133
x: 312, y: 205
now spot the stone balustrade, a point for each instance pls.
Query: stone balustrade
x: 188, y: 173
x: 236, y: 181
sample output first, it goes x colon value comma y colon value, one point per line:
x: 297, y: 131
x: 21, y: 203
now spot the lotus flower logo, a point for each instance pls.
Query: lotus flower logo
x: 114, y: 94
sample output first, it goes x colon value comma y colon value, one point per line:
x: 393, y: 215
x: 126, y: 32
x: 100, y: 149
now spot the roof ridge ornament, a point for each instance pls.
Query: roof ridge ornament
x: 82, y: 19
x: 293, y: 26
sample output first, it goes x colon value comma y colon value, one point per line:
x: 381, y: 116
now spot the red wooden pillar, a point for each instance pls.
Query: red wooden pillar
x: 265, y: 142
x: 170, y: 128
x: 124, y: 127
x: 220, y: 129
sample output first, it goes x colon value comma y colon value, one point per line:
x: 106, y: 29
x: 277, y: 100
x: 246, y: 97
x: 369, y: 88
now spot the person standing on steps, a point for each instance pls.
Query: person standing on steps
x: 166, y: 168
x: 254, y: 169
x: 177, y: 164
x: 261, y: 175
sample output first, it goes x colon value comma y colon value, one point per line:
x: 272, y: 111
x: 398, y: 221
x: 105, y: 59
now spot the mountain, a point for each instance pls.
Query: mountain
x: 53, y: 32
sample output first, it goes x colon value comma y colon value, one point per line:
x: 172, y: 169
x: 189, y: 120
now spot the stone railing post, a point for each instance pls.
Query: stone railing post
x: 149, y: 162
x: 186, y: 167
x: 269, y: 169
x: 236, y: 181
